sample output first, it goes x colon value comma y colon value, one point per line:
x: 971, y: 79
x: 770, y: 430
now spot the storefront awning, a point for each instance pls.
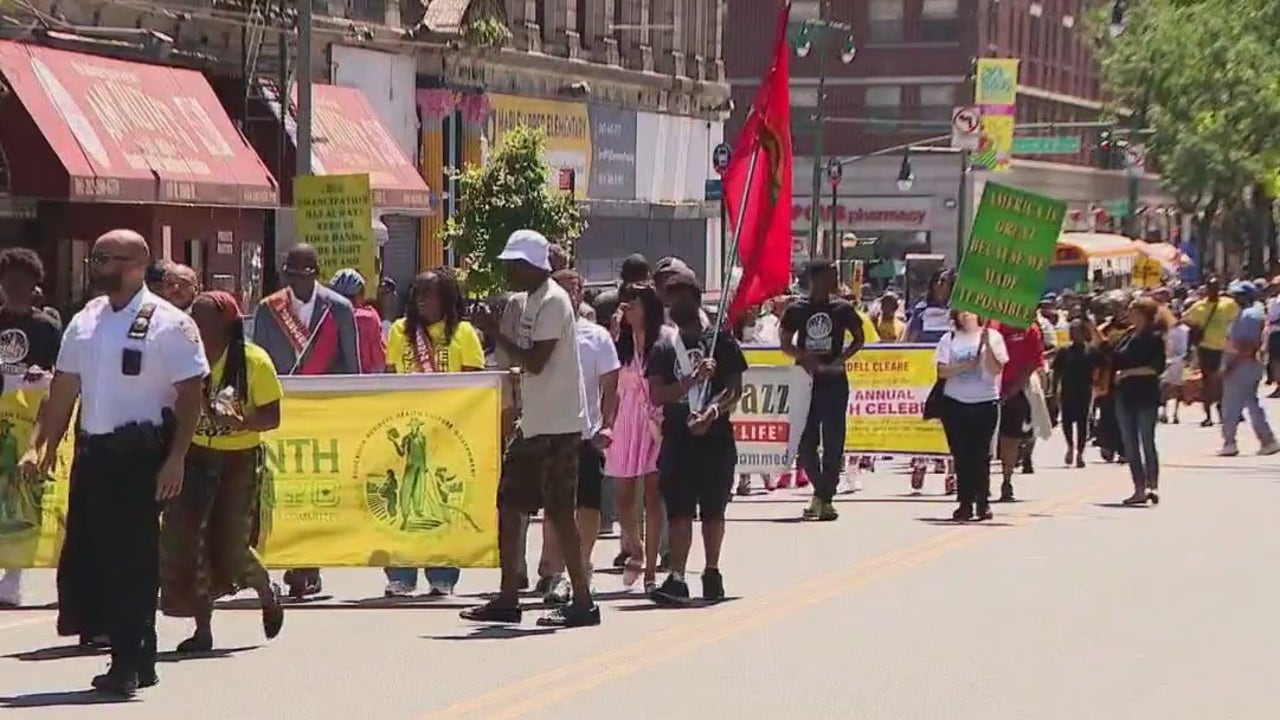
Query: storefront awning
x: 348, y: 138
x: 121, y: 131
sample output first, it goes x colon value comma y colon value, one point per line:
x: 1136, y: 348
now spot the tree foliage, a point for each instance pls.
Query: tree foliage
x: 511, y: 192
x: 1204, y: 76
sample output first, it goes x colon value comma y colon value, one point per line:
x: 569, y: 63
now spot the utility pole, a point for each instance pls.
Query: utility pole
x: 812, y: 38
x: 304, y: 113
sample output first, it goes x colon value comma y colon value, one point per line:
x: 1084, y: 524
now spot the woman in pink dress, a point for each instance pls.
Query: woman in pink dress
x: 637, y: 435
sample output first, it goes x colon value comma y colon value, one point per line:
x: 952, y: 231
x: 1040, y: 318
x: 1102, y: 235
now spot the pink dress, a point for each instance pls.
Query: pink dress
x: 637, y: 435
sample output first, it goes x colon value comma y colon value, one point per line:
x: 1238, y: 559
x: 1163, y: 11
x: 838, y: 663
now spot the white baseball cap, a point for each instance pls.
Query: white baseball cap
x: 530, y: 246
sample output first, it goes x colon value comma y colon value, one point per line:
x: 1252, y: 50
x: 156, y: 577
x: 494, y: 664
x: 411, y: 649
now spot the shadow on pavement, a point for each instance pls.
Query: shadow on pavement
x: 496, y: 632
x: 18, y: 608
x: 1120, y: 506
x: 694, y: 604
x: 955, y: 523
x: 173, y: 656
x: 55, y: 699
x: 56, y: 652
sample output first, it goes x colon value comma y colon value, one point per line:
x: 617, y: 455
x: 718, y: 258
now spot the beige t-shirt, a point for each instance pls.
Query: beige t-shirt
x: 552, y: 400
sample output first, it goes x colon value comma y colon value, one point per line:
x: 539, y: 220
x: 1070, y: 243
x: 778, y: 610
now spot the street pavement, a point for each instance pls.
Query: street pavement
x: 1066, y: 606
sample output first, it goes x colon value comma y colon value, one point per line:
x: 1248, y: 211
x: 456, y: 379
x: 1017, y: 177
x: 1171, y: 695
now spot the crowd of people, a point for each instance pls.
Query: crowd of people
x: 616, y: 408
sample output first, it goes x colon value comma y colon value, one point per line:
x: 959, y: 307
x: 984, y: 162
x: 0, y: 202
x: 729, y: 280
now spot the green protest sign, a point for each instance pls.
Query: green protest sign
x: 1006, y: 261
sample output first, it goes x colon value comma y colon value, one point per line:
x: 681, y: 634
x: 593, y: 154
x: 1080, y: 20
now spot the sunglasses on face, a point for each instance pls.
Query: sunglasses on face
x: 300, y: 272
x: 102, y: 258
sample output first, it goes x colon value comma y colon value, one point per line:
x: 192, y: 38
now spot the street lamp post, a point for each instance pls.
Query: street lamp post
x: 811, y: 37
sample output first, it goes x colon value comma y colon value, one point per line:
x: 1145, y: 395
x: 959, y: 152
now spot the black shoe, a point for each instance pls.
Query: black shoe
x: 524, y: 582
x: 1028, y: 468
x: 543, y: 585
x: 672, y: 593
x: 1006, y: 494
x: 148, y: 678
x: 964, y: 513
x: 95, y: 642
x: 493, y: 613
x: 621, y: 560
x: 571, y: 616
x: 712, y: 585
x: 664, y: 562
x: 118, y: 682
x: 197, y: 643
x: 983, y: 513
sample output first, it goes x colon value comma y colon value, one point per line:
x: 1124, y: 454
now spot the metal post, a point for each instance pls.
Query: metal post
x: 962, y: 206
x: 726, y: 262
x: 819, y: 49
x: 1131, y: 216
x: 304, y: 114
x: 835, y: 200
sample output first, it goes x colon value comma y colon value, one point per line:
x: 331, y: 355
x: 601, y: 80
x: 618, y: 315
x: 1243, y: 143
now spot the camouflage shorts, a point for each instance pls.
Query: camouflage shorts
x: 540, y: 472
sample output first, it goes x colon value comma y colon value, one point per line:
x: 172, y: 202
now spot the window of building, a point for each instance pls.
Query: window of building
x: 939, y: 20
x: 802, y: 10
x: 937, y: 102
x: 883, y: 102
x: 884, y: 20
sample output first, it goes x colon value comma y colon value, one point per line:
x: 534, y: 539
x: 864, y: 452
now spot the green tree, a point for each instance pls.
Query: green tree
x: 511, y: 192
x: 1204, y: 77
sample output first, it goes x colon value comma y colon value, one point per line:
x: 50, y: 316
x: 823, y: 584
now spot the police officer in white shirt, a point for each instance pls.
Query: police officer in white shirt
x: 137, y: 365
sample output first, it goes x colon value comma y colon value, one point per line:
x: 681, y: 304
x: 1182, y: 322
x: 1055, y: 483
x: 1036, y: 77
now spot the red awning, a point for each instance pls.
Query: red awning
x: 123, y: 132
x: 348, y: 138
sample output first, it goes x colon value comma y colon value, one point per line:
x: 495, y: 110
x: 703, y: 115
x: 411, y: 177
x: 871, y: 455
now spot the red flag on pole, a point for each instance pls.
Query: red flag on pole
x: 757, y: 184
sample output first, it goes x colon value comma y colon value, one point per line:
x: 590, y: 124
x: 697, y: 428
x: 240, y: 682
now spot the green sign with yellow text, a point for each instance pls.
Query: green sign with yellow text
x: 1006, y: 261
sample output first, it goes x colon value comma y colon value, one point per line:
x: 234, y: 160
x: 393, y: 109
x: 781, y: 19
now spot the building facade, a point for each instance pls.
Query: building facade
x: 631, y: 95
x: 912, y: 67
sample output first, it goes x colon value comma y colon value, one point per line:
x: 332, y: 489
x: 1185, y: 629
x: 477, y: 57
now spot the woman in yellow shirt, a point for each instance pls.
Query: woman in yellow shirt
x: 207, y: 537
x: 431, y: 337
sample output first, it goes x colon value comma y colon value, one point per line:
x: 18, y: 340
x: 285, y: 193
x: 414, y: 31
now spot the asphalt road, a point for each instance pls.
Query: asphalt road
x: 1066, y: 606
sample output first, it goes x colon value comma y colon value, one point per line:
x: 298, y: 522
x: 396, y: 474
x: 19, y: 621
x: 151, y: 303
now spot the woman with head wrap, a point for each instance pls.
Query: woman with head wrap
x: 208, y: 536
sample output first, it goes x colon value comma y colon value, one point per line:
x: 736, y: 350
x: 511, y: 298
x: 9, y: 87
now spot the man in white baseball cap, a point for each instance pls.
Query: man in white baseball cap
x: 541, y: 464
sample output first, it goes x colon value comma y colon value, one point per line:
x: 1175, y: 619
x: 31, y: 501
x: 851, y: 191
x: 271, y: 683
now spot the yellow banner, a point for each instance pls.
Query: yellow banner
x: 888, y: 385
x: 1147, y: 272
x: 995, y: 143
x: 400, y: 471
x: 33, y: 513
x: 997, y: 81
x: 335, y: 215
x: 567, y: 126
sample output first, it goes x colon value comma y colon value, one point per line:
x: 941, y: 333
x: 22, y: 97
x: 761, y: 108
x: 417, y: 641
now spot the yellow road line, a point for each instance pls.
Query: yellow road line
x: 708, y: 627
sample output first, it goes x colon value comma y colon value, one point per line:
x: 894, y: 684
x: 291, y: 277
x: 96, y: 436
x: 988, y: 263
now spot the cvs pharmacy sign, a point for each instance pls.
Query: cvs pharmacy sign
x: 867, y: 213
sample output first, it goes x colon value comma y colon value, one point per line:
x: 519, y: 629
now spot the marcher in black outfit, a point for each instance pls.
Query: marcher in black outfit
x: 1074, y: 368
x: 137, y: 365
x: 813, y: 332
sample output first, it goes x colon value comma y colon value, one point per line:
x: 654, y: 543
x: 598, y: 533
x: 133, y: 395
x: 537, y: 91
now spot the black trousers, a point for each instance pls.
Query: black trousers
x: 117, y: 486
x: 826, y: 425
x: 970, y: 428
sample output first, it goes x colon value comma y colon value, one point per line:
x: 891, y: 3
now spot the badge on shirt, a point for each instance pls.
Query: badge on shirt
x: 817, y: 332
x: 189, y: 329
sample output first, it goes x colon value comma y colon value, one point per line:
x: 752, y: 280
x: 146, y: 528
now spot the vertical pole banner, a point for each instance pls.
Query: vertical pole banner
x: 996, y: 91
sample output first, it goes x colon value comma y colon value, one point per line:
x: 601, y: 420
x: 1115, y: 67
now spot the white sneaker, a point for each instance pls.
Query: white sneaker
x: 1229, y: 450
x: 11, y: 588
x: 395, y: 588
x: 1270, y: 448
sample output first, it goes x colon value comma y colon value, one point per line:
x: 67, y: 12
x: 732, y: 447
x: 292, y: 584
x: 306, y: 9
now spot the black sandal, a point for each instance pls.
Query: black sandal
x: 273, y: 614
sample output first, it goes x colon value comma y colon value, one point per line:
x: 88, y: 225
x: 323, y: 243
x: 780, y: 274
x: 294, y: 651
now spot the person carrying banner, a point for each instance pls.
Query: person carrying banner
x: 927, y: 322
x: 137, y: 365
x: 206, y: 543
x: 306, y: 329
x: 814, y: 331
x: 432, y: 337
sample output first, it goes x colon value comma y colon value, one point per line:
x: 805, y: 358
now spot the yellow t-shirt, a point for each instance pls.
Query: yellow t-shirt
x: 1215, y: 328
x: 264, y: 389
x: 464, y: 351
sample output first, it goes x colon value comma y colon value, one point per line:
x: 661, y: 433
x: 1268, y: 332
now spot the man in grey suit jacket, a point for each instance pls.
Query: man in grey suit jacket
x: 307, y: 329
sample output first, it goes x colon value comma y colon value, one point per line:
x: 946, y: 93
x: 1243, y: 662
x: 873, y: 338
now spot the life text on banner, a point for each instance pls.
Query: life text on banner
x: 375, y: 471
x: 770, y: 416
x: 888, y: 385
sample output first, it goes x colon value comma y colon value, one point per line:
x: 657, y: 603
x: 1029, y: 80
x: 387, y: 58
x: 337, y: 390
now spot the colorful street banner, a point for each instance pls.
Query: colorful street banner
x: 335, y: 216
x: 770, y: 417
x: 1006, y: 261
x: 1147, y: 272
x: 888, y: 386
x: 997, y: 81
x: 996, y: 92
x: 365, y: 471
